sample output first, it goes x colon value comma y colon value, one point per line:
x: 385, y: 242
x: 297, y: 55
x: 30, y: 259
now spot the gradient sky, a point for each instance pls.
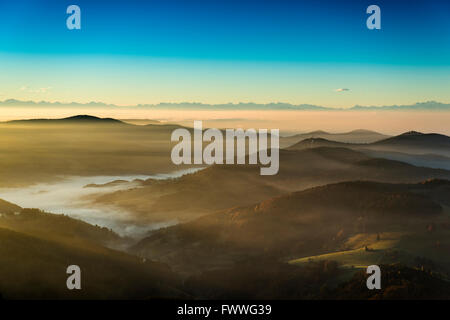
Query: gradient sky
x: 220, y: 51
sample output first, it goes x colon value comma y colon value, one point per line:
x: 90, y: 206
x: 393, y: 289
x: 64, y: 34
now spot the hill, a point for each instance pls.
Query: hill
x: 300, y: 224
x: 221, y: 187
x: 320, y: 142
x: 35, y: 268
x: 78, y: 119
x: 8, y: 207
x: 265, y: 279
x: 423, y: 142
x: 399, y: 283
x: 355, y: 136
x: 58, y: 227
x: 430, y: 150
x: 416, y: 142
x: 44, y: 150
x: 36, y: 248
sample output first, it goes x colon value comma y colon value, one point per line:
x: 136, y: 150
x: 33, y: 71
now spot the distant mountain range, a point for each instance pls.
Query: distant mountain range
x: 428, y: 105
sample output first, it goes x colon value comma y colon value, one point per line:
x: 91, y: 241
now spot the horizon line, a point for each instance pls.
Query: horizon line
x: 430, y: 105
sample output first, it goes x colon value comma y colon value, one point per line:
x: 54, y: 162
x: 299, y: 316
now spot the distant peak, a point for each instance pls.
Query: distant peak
x: 88, y: 118
x: 82, y: 117
x: 361, y: 131
x: 316, y: 139
x: 412, y: 133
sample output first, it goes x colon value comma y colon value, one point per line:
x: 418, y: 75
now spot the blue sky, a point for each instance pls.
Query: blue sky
x: 220, y: 51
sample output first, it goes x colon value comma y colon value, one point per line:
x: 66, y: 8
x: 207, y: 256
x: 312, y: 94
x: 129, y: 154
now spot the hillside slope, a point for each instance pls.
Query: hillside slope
x: 309, y: 222
x: 419, y: 149
x: 59, y: 227
x: 223, y: 186
x: 34, y: 268
x: 409, y: 143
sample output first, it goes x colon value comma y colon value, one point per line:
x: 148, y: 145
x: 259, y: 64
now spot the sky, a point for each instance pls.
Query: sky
x: 220, y: 51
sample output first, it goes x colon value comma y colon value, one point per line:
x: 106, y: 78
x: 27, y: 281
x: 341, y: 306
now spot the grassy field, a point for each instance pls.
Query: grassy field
x: 377, y: 252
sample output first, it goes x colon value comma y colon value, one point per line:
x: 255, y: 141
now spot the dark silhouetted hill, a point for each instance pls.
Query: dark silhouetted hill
x: 35, y: 268
x: 8, y: 207
x: 78, y: 119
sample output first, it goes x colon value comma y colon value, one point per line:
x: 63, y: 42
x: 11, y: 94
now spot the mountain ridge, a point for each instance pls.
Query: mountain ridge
x: 427, y: 105
x: 413, y: 141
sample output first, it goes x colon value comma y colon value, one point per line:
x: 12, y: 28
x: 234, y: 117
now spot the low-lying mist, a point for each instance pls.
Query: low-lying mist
x: 70, y: 196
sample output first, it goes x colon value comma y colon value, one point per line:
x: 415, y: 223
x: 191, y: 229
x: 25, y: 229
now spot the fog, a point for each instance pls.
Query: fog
x: 70, y: 196
x: 288, y: 121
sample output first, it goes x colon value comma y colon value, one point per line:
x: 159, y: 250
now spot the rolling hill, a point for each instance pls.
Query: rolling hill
x: 78, y: 119
x: 331, y: 201
x: 46, y: 149
x: 265, y: 279
x: 408, y: 141
x: 58, y: 227
x: 429, y: 150
x: 35, y: 268
x: 36, y: 248
x: 8, y: 207
x: 220, y: 187
x: 417, y: 143
x: 355, y: 136
x: 301, y: 224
